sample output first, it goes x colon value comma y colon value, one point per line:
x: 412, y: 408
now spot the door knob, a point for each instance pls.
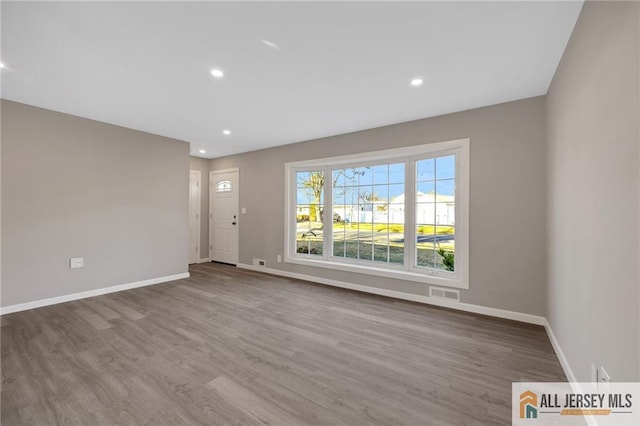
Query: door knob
x: 233, y: 223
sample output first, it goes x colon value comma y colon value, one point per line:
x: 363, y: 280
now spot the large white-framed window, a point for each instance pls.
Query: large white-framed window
x: 400, y: 213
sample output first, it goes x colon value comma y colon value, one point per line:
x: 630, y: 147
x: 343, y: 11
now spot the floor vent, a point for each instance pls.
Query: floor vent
x: 444, y: 293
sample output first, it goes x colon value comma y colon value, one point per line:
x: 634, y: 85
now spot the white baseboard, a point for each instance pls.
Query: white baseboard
x: 559, y: 352
x: 576, y: 386
x: 205, y: 260
x: 90, y: 293
x: 467, y: 307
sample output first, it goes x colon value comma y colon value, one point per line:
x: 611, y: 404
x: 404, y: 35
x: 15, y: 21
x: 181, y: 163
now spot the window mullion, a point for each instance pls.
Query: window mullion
x: 410, y: 215
x: 327, y: 216
x: 292, y: 213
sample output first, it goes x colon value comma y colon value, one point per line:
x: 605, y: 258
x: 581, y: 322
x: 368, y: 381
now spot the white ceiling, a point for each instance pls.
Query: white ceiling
x: 341, y: 67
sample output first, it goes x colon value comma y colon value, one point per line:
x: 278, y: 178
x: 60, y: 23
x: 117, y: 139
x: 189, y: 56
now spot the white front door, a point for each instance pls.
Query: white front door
x: 223, y: 216
x: 194, y: 215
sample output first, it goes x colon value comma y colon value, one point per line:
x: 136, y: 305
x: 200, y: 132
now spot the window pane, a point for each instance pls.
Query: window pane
x: 425, y: 246
x: 435, y: 213
x: 446, y: 167
x: 381, y: 193
x: 364, y: 175
x: 351, y: 237
x: 381, y: 174
x: 426, y: 187
x: 301, y: 178
x: 396, y: 173
x: 445, y: 214
x: 396, y: 216
x: 351, y: 195
x: 311, y: 234
x: 310, y: 190
x: 364, y: 249
x: 351, y: 176
x: 425, y: 170
x: 339, y: 177
x: 380, y: 231
x: 338, y: 196
x: 396, y: 193
x: 446, y: 188
x: 341, y: 213
x: 223, y: 186
x: 381, y: 246
x: 302, y: 246
x: 309, y: 212
x: 425, y: 214
x: 396, y: 238
x: 303, y: 196
x: 365, y: 194
x: 361, y: 198
x: 380, y: 215
x: 445, y: 248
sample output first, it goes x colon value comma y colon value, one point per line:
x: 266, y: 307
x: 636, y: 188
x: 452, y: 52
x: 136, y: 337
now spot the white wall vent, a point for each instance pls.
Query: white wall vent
x: 259, y: 262
x: 445, y: 293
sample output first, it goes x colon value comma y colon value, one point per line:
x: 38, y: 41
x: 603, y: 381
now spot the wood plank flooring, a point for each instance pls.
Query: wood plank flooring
x: 234, y: 347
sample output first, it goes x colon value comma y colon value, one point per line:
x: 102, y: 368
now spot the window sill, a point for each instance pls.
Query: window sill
x: 400, y: 274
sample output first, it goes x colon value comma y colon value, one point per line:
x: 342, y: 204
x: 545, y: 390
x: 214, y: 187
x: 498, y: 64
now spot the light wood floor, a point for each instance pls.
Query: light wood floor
x: 229, y: 347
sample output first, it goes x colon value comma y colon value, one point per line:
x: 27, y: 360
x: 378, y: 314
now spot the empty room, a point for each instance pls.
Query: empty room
x: 320, y: 213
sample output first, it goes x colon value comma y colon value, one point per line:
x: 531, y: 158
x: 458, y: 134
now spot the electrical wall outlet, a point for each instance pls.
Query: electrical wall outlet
x: 279, y: 258
x: 76, y: 262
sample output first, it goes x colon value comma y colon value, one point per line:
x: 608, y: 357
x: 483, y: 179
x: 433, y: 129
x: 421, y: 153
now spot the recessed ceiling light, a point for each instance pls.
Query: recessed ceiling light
x: 1, y: 65
x: 202, y: 151
x: 217, y: 73
x: 416, y: 82
x: 226, y: 132
x: 270, y: 44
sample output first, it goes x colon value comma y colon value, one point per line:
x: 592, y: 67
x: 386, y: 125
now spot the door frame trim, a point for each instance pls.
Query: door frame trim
x: 212, y: 173
x: 199, y: 173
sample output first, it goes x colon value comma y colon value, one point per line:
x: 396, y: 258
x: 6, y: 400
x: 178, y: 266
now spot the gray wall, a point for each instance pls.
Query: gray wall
x: 74, y: 187
x: 594, y: 165
x: 202, y: 164
x: 507, y: 200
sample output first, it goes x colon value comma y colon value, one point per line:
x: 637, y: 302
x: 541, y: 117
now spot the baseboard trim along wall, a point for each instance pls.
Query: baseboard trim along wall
x: 467, y: 307
x: 559, y: 352
x: 90, y: 293
x: 204, y: 260
x: 576, y: 386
